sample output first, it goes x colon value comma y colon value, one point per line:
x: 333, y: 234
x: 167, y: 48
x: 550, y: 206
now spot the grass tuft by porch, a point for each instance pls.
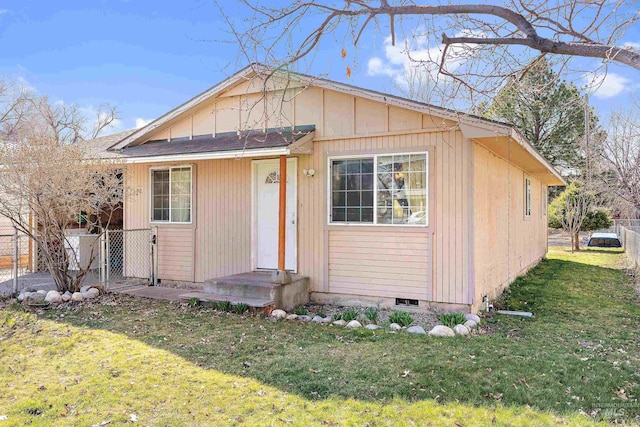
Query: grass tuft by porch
x: 169, y: 364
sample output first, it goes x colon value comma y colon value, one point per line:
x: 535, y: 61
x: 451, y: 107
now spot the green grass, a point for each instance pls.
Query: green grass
x: 172, y: 364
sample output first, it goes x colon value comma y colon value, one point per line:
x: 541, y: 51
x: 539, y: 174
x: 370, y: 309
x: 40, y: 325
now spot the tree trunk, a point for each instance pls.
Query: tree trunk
x: 576, y: 242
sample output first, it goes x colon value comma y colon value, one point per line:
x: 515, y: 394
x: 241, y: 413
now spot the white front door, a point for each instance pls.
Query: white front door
x: 266, y: 213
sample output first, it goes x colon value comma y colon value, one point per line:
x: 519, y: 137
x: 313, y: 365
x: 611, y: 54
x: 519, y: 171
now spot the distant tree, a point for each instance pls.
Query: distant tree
x: 549, y: 112
x: 47, y: 176
x: 617, y: 173
x: 575, y: 210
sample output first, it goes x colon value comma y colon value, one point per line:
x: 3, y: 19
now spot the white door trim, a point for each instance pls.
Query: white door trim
x: 254, y: 211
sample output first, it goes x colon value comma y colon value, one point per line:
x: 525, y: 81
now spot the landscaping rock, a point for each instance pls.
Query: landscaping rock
x: 292, y: 316
x: 53, y: 297
x: 91, y: 293
x: 23, y: 296
x: 470, y: 324
x: 372, y: 327
x: 442, y: 331
x: 395, y: 327
x: 304, y: 318
x: 42, y: 292
x: 317, y: 319
x: 416, y: 330
x: 66, y: 296
x: 279, y: 314
x: 354, y: 324
x: 474, y: 317
x: 326, y: 320
x: 461, y: 330
x: 340, y: 322
x: 77, y: 296
x: 85, y: 288
x: 36, y: 297
x: 289, y: 308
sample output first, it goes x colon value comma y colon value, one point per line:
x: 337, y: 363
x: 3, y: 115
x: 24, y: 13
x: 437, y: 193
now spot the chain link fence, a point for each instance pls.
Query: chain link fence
x: 630, y: 236
x: 114, y: 258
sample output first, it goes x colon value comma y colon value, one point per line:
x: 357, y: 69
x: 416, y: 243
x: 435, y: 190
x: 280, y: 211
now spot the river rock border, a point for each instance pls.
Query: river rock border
x: 43, y: 297
x: 472, y: 322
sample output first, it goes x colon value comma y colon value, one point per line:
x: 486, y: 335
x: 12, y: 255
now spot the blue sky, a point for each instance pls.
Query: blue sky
x: 147, y: 57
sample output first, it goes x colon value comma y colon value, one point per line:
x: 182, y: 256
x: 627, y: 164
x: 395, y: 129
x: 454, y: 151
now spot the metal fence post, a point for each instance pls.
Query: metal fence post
x: 154, y: 255
x: 107, y: 258
x: 103, y: 266
x: 16, y: 256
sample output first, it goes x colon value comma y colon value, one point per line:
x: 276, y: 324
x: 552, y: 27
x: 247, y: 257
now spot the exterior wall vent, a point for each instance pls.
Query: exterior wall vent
x: 407, y: 302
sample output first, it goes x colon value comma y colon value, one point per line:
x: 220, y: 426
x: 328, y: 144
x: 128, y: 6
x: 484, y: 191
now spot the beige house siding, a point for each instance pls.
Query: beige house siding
x: 380, y: 264
x: 458, y: 258
x: 333, y: 113
x: 444, y: 245
x: 506, y: 243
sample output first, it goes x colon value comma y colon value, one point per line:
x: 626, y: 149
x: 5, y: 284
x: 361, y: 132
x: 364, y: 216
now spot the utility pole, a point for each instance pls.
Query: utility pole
x: 587, y: 132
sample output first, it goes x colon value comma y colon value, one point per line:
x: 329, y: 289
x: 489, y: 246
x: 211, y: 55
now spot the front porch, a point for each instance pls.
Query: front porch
x: 252, y: 288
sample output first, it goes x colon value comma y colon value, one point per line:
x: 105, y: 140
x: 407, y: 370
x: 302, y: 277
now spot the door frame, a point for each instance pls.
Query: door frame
x: 254, y: 211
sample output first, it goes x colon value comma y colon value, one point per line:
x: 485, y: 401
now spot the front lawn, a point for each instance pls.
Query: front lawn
x: 156, y: 363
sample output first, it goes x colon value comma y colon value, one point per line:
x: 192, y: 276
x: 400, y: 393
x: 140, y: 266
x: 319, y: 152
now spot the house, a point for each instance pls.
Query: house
x: 388, y: 201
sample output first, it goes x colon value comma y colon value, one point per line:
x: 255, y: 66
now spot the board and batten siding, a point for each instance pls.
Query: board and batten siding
x: 218, y: 242
x: 433, y: 264
x: 175, y: 241
x: 506, y: 243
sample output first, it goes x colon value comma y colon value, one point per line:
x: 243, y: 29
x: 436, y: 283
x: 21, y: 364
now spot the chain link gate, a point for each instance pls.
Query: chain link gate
x: 128, y: 257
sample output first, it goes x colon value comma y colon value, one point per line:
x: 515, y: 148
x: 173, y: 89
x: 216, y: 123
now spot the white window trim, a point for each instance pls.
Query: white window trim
x: 528, y: 197
x: 544, y: 197
x: 375, y: 190
x: 169, y: 168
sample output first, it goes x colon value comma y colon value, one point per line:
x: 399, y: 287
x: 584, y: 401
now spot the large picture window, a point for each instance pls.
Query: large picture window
x: 388, y: 189
x: 171, y: 194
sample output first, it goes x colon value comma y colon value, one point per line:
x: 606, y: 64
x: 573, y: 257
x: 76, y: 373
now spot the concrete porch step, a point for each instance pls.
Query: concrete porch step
x: 207, y: 297
x: 257, y: 285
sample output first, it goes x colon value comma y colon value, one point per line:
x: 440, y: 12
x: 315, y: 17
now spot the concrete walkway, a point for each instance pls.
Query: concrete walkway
x: 35, y: 281
x: 153, y: 292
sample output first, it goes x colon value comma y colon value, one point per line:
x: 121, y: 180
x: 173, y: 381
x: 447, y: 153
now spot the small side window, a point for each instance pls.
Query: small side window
x: 527, y: 197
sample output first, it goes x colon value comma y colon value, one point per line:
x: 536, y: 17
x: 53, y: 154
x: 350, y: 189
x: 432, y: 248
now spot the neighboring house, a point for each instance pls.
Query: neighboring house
x: 389, y: 201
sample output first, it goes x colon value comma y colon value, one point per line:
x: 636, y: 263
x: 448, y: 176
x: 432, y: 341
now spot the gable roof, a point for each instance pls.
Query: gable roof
x: 472, y: 126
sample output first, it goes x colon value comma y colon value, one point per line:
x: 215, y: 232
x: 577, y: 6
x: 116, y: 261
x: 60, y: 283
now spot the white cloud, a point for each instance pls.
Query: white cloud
x: 607, y: 85
x: 412, y: 60
x: 140, y: 122
x: 635, y: 45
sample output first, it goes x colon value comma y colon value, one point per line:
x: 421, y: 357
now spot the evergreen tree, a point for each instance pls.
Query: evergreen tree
x: 550, y: 113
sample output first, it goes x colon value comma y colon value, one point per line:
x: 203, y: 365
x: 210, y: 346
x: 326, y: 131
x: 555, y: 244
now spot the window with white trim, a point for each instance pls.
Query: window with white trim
x: 545, y: 197
x: 384, y: 189
x: 171, y: 194
x: 527, y: 197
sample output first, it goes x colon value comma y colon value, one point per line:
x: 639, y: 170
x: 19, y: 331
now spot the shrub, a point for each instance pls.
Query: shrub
x: 371, y: 313
x: 402, y: 318
x: 452, y: 319
x: 349, y: 315
x: 193, y: 302
x: 300, y: 311
x: 222, y: 305
x: 239, y: 308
